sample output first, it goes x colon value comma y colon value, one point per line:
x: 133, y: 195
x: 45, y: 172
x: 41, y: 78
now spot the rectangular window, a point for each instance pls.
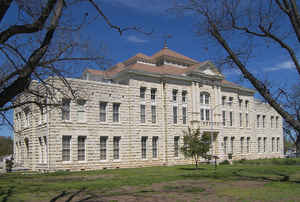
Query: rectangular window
x: 153, y: 94
x: 246, y: 104
x: 257, y: 120
x: 81, y: 148
x: 276, y: 123
x: 176, y: 146
x: 81, y: 110
x: 103, y: 111
x: 27, y: 116
x: 223, y: 100
x: 258, y: 144
x: 225, y: 145
x: 242, y: 145
x: 65, y: 110
x: 240, y: 104
x: 184, y: 115
x: 247, y: 120
x: 265, y: 144
x: 103, y: 141
x: 143, y: 115
x: 263, y: 121
x: 273, y: 142
x: 174, y: 95
x: 153, y: 114
x: 66, y: 148
x: 277, y: 144
x: 45, y: 149
x: 154, y: 146
x: 116, y: 107
x: 184, y: 98
x: 272, y: 119
x: 230, y: 101
x: 144, y: 147
x: 202, y: 114
x: 248, y: 144
x: 117, y: 147
x: 207, y: 114
x: 231, y: 118
x: 41, y: 156
x: 175, y: 114
x: 142, y: 92
x: 224, y: 117
x: 232, y: 146
x: 241, y: 120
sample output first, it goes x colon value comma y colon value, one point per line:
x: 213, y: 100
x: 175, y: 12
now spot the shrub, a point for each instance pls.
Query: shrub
x: 225, y: 162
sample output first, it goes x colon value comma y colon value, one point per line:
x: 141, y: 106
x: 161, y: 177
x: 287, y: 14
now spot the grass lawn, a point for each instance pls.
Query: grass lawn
x: 258, y: 180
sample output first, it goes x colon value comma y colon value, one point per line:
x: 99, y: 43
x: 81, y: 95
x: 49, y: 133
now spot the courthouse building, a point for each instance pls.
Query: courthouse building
x: 134, y: 114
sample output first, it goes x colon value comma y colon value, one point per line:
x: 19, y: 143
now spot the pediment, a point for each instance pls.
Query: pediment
x: 207, y: 68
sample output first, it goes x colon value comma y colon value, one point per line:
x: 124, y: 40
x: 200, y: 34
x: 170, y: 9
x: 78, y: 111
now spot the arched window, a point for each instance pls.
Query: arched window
x: 204, y: 98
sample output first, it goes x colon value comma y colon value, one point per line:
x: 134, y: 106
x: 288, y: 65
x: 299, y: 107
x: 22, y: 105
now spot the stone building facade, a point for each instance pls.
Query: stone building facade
x: 134, y: 114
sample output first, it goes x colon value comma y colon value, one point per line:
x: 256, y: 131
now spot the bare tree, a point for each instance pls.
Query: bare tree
x: 255, y: 23
x: 44, y: 41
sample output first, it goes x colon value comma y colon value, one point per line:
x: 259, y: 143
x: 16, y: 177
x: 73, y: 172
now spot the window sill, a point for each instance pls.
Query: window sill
x: 103, y: 161
x: 67, y: 162
x: 116, y: 160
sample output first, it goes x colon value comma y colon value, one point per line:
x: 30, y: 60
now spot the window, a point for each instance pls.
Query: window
x: 154, y: 146
x: 184, y: 98
x: 241, y: 120
x: 103, y: 141
x: 223, y: 100
x: 248, y: 144
x: 184, y: 115
x: 247, y: 120
x: 263, y: 121
x: 174, y: 95
x: 265, y: 144
x: 66, y: 148
x: 142, y: 92
x: 231, y: 144
x: 207, y: 114
x: 81, y: 148
x: 204, y: 98
x: 225, y: 145
x: 231, y: 118
x: 81, y: 110
x: 277, y: 144
x: 272, y: 119
x: 27, y: 116
x: 153, y: 113
x: 273, y: 142
x: 242, y: 145
x: 65, y: 110
x: 202, y: 114
x: 257, y: 120
x: 103, y: 111
x: 153, y: 94
x: 45, y: 149
x: 276, y: 123
x: 230, y: 101
x: 258, y: 144
x: 144, y: 147
x: 224, y: 117
x: 143, y: 109
x: 116, y: 107
x: 41, y: 156
x: 43, y: 116
x: 176, y: 146
x: 240, y: 104
x: 175, y: 114
x: 246, y: 104
x: 117, y: 147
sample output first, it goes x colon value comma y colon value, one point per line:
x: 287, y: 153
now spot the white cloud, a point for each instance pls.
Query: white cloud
x: 135, y: 39
x: 288, y: 65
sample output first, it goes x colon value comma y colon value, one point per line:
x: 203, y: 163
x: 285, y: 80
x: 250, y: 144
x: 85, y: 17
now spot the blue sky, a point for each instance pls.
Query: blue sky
x: 270, y: 64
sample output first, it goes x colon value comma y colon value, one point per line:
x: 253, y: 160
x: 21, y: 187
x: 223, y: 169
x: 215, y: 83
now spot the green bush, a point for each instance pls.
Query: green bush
x: 225, y: 162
